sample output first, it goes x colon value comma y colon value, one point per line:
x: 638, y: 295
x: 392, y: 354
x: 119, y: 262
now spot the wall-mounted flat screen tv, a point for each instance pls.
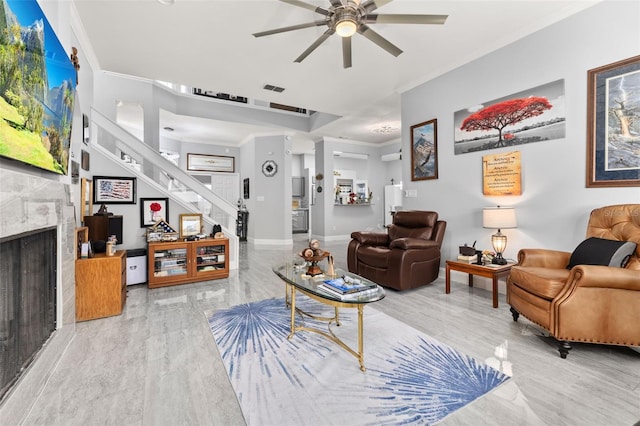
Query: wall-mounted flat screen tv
x: 37, y: 89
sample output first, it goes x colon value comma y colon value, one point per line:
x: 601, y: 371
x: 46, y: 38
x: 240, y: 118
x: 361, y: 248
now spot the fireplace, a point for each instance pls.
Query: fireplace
x: 32, y: 202
x: 27, y: 300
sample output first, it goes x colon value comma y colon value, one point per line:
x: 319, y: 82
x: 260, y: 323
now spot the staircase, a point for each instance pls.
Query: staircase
x: 150, y: 167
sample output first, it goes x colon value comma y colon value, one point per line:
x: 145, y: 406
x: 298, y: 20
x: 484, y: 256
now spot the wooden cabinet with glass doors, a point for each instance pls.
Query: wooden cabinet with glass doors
x: 182, y: 262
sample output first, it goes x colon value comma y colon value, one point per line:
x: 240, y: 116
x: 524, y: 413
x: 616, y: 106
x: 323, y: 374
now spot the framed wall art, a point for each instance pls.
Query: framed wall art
x: 532, y: 115
x: 245, y: 188
x: 424, y: 150
x: 152, y: 210
x: 86, y: 198
x: 85, y: 128
x: 190, y: 224
x: 210, y: 163
x: 114, y: 190
x: 502, y: 174
x: 75, y: 172
x: 613, y: 124
x: 85, y: 158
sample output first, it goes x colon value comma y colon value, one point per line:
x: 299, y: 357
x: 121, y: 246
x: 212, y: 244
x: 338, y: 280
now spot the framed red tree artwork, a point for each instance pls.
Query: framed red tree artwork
x: 533, y: 115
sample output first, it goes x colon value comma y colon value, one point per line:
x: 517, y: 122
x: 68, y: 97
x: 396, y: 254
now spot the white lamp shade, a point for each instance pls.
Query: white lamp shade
x: 499, y: 217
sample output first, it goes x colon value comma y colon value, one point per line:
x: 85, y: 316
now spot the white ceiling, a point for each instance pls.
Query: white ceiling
x: 209, y: 44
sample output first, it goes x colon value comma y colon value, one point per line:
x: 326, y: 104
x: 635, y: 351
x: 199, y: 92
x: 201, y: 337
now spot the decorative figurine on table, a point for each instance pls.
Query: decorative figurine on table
x: 314, y: 254
x: 331, y: 269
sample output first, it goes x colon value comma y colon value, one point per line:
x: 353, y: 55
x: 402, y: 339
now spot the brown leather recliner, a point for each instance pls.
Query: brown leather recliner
x: 587, y: 303
x: 405, y: 257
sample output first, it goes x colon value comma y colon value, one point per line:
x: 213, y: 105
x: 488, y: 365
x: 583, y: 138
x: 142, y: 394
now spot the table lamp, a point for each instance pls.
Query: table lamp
x: 499, y: 218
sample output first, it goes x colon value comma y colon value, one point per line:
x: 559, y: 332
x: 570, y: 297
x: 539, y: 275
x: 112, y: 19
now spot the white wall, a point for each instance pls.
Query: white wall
x: 270, y: 216
x: 554, y: 207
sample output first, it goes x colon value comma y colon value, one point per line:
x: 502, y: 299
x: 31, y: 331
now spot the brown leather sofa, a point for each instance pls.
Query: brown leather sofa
x: 405, y: 257
x: 587, y: 303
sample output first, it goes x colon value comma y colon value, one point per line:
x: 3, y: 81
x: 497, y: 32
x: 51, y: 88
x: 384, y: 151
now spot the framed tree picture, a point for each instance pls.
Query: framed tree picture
x: 424, y: 150
x: 613, y: 102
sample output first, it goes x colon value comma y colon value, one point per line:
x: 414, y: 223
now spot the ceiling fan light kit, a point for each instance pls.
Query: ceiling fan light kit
x: 346, y: 28
x: 347, y: 17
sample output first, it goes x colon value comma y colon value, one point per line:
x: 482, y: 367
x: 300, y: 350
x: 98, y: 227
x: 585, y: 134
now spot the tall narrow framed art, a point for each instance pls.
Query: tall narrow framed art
x: 424, y: 150
x: 613, y: 102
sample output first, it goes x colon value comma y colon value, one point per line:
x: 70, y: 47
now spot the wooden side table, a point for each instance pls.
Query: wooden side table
x: 483, y: 271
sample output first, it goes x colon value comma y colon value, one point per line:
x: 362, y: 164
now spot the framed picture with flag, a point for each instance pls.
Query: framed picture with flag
x: 114, y: 190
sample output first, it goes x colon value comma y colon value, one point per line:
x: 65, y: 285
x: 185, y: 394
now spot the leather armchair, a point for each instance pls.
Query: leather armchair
x: 587, y: 303
x: 405, y: 257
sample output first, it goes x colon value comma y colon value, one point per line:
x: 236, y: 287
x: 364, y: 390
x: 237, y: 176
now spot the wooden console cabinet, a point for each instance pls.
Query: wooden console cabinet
x: 101, y: 288
x: 181, y: 262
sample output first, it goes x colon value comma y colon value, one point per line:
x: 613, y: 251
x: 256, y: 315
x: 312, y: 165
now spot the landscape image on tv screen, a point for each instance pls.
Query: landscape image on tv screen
x: 37, y: 89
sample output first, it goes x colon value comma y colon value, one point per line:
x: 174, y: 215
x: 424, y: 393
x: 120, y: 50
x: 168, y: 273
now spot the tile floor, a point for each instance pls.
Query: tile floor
x: 157, y: 364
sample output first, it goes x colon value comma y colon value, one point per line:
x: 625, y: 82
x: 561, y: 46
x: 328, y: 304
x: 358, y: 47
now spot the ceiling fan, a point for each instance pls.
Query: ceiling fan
x: 346, y: 17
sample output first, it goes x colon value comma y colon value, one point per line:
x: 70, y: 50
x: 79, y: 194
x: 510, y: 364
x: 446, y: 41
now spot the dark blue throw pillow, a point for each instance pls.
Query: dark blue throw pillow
x: 598, y: 251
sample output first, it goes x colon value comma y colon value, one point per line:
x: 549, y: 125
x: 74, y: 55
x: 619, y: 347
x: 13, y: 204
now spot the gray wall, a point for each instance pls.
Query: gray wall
x: 554, y: 206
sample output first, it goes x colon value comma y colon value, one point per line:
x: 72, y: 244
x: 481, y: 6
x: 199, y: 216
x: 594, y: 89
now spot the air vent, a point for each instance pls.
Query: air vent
x: 273, y: 88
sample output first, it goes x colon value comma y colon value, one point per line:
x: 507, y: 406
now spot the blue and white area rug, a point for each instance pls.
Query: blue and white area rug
x: 309, y: 380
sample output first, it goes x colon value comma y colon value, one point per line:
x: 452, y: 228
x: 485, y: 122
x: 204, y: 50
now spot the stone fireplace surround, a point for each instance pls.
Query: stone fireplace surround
x: 31, y: 201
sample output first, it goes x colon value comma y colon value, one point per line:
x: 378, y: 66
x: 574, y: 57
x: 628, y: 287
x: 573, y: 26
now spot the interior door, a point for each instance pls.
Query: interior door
x: 227, y: 186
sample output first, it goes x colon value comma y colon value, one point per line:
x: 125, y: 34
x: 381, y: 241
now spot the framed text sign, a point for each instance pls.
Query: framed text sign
x: 502, y: 174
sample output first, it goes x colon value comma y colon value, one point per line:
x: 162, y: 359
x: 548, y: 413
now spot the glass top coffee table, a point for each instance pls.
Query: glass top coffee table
x: 296, y: 280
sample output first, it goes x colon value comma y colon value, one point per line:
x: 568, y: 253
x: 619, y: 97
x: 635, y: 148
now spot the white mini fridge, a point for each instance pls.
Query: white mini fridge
x: 136, y: 266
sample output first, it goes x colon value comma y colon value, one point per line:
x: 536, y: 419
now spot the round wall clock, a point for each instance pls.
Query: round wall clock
x: 269, y: 168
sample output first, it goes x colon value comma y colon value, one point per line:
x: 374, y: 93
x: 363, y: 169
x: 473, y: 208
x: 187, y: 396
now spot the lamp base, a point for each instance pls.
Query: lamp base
x: 499, y: 260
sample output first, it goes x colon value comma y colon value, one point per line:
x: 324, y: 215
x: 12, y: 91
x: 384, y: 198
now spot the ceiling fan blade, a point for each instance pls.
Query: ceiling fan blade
x: 346, y: 52
x: 379, y: 40
x: 290, y: 28
x: 371, y: 5
x: 308, y: 6
x: 407, y: 19
x: 315, y: 44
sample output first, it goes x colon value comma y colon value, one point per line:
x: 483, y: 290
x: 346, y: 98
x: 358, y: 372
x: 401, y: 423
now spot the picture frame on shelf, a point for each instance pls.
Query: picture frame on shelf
x: 86, y: 198
x: 114, y: 190
x: 152, y: 210
x: 424, y: 150
x: 210, y: 163
x: 190, y: 224
x: 612, y: 160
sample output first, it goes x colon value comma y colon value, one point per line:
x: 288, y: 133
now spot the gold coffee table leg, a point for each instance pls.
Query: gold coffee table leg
x: 360, y: 338
x: 293, y: 311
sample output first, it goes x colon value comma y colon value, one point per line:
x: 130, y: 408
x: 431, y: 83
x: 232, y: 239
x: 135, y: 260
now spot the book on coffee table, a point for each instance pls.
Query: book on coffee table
x: 347, y: 296
x: 348, y: 285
